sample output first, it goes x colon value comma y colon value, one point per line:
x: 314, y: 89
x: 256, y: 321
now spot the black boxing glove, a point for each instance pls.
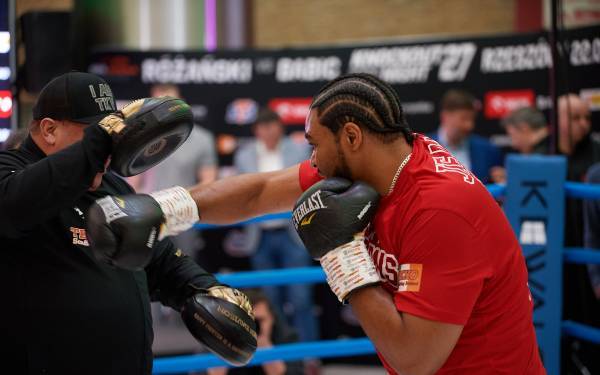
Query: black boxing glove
x: 330, y: 218
x: 221, y: 319
x: 122, y: 230
x: 146, y: 131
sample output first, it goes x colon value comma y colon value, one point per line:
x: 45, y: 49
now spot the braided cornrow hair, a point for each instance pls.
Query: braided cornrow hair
x: 365, y: 100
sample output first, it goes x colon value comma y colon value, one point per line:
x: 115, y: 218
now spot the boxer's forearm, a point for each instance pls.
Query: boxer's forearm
x: 241, y: 197
x: 411, y: 345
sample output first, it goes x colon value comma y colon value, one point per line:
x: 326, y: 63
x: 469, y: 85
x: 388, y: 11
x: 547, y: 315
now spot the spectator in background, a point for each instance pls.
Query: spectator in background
x: 275, y: 244
x: 575, y: 141
x: 15, y: 139
x: 528, y: 132
x: 579, y: 300
x: 457, y: 116
x: 272, y: 330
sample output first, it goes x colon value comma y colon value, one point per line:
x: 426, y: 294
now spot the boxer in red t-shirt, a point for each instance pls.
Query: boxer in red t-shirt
x: 437, y: 279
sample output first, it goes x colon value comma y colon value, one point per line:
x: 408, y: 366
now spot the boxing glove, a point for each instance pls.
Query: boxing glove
x: 122, y: 230
x: 330, y: 218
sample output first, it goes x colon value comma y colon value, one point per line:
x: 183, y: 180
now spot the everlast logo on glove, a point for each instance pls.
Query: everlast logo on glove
x: 313, y: 203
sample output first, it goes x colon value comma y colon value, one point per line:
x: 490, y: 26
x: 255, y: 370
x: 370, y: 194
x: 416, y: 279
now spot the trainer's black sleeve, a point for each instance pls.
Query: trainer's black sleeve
x: 31, y: 193
x: 171, y: 273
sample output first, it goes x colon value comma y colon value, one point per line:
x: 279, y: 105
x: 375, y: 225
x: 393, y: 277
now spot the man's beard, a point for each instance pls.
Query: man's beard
x: 342, y: 170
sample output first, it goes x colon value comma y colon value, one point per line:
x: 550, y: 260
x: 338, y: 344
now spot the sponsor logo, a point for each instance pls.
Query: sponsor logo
x: 592, y: 96
x: 310, y: 204
x: 79, y: 236
x: 5, y: 104
x: 208, y: 69
x: 410, y: 277
x: 117, y: 65
x: 364, y: 211
x: 241, y: 111
x: 515, y: 58
x: 499, y: 103
x: 533, y: 233
x: 291, y: 110
x: 151, y: 238
x: 155, y: 148
x: 307, y: 220
x: 308, y: 69
x: 413, y: 64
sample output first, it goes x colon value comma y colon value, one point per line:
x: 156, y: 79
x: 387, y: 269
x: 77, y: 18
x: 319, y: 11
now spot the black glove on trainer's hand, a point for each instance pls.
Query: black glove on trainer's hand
x: 221, y: 318
x: 330, y: 218
x: 122, y: 230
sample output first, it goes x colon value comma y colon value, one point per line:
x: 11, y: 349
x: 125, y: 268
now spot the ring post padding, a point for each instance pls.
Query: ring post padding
x: 534, y: 206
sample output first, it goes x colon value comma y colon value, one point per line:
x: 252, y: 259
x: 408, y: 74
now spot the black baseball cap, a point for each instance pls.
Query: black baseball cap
x: 76, y: 96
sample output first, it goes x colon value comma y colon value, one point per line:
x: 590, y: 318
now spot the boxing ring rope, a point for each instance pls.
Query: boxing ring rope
x: 285, y: 352
x: 359, y: 346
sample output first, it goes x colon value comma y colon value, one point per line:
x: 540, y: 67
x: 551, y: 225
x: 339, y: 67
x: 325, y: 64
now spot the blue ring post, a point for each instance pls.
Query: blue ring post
x: 535, y: 208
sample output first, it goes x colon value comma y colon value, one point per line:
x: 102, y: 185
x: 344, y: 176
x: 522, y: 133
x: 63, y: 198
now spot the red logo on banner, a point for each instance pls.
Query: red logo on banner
x: 291, y: 110
x: 5, y: 104
x: 500, y: 103
x: 121, y: 65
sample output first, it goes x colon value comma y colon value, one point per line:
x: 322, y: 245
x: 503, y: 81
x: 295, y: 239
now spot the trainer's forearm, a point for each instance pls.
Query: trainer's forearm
x: 238, y: 198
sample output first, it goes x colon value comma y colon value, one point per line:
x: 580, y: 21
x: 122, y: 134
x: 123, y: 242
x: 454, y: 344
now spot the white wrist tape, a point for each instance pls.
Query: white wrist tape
x: 179, y: 208
x: 349, y: 267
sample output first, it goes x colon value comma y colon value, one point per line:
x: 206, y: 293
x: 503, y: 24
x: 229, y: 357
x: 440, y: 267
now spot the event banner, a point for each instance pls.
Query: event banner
x: 226, y: 88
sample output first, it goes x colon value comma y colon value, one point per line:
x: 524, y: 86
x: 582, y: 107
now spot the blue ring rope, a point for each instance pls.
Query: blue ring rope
x: 284, y: 276
x: 285, y: 352
x: 581, y: 331
x: 581, y: 255
x: 581, y: 190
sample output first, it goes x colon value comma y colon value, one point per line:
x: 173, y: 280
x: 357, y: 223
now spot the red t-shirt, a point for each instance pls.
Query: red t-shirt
x: 447, y: 253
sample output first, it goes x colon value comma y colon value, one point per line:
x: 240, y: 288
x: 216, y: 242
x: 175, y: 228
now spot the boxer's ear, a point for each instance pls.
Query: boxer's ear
x: 352, y: 135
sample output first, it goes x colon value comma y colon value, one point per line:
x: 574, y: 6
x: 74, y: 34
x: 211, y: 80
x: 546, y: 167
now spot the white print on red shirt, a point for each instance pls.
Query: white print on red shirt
x: 447, y: 163
x: 385, y: 263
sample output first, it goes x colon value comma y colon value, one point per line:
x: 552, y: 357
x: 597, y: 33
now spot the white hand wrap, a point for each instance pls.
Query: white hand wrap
x: 349, y: 267
x: 179, y: 208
